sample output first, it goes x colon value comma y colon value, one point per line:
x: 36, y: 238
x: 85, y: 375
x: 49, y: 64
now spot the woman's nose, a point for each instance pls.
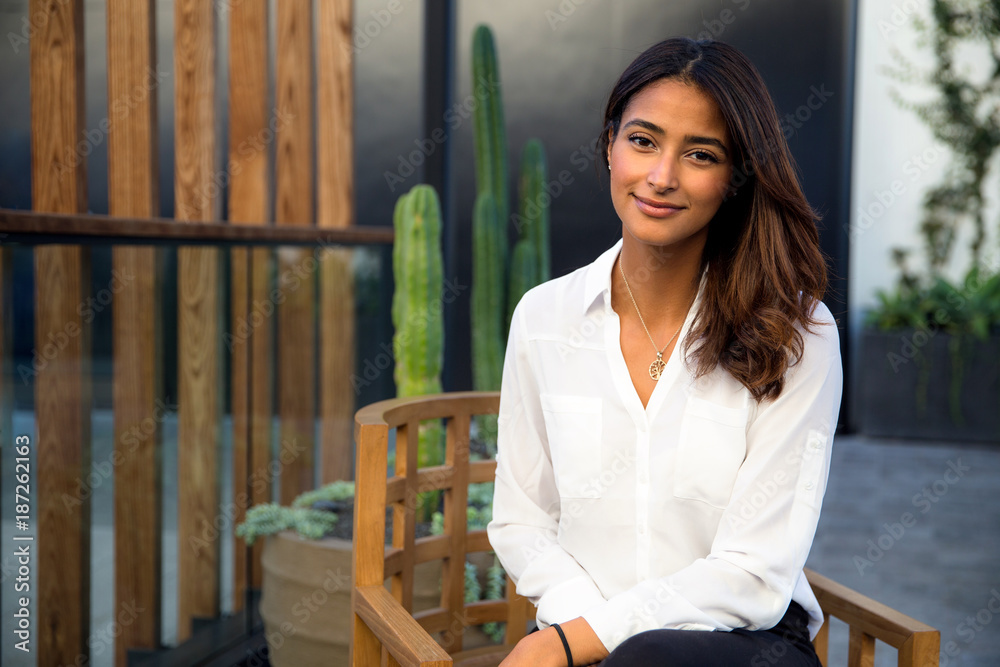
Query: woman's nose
x: 662, y: 175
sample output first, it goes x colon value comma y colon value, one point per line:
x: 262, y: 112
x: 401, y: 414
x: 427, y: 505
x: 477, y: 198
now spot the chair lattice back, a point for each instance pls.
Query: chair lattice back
x: 376, y: 493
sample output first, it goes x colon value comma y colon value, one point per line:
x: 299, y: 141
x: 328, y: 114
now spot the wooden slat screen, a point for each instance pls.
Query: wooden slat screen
x: 276, y: 167
x: 62, y: 385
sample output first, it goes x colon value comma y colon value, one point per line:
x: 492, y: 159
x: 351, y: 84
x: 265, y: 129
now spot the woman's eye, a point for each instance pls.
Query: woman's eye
x: 640, y: 141
x: 704, y: 156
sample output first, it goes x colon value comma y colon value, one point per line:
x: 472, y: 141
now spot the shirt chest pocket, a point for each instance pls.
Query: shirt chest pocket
x: 573, y: 427
x: 711, y: 450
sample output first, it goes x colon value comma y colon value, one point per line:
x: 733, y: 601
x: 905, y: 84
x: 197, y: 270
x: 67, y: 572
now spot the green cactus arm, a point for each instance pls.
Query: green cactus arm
x: 418, y: 341
x: 523, y: 274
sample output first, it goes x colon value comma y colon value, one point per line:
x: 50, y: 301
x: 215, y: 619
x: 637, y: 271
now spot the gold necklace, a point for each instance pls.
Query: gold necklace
x: 657, y: 366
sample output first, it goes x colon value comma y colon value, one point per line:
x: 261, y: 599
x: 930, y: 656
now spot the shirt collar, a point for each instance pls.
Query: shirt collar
x: 598, y: 281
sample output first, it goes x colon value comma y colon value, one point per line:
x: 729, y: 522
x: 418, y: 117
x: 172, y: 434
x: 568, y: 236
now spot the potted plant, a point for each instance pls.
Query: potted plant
x: 929, y: 352
x: 306, y: 588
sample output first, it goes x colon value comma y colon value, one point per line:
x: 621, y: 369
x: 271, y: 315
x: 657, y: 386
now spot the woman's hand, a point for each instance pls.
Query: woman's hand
x: 542, y: 648
x: 545, y: 649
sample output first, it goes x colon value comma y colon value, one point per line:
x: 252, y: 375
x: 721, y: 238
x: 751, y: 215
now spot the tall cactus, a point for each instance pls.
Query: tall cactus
x: 491, y: 178
x: 418, y: 341
x: 529, y: 264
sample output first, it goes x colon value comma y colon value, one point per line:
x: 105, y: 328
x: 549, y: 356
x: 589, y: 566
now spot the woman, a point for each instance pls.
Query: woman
x: 667, y: 411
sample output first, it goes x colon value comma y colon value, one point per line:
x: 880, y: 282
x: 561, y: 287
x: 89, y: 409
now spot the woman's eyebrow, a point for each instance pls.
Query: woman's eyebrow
x: 711, y: 141
x: 644, y: 124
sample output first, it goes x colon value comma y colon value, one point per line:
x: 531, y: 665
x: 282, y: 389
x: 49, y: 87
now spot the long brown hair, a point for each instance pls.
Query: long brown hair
x: 765, y: 271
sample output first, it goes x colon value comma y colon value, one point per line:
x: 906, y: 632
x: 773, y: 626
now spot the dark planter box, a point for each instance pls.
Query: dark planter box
x: 924, y: 384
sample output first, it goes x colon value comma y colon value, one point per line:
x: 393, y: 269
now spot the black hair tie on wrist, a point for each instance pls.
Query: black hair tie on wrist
x: 562, y: 636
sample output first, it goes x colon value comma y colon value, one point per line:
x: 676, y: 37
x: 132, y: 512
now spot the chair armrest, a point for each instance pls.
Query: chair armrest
x: 874, y: 618
x: 401, y: 635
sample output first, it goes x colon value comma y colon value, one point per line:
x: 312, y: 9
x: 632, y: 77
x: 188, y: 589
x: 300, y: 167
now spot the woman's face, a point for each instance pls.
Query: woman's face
x: 670, y: 165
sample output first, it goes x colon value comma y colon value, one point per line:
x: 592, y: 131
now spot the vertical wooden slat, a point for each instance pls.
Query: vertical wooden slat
x: 822, y: 641
x: 296, y: 355
x: 337, y: 393
x: 456, y: 501
x: 199, y: 335
x: 368, y: 566
x: 249, y: 203
x: 242, y: 376
x: 404, y: 520
x: 335, y: 167
x: 62, y: 382
x: 132, y: 192
x: 860, y: 649
x: 517, y: 615
x: 261, y: 399
x: 335, y: 127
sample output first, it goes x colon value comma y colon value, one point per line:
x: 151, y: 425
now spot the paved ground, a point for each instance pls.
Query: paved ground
x: 916, y: 525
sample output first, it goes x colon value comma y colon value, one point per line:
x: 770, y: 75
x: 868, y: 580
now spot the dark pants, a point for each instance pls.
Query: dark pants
x: 785, y: 645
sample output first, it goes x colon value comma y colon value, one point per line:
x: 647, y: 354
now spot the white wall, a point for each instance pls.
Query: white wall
x: 896, y: 160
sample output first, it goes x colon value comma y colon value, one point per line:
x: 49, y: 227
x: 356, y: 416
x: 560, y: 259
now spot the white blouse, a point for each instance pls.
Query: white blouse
x: 695, y: 513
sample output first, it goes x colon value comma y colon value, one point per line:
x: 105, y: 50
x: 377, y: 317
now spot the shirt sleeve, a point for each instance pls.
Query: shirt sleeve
x: 526, y: 506
x: 767, y: 529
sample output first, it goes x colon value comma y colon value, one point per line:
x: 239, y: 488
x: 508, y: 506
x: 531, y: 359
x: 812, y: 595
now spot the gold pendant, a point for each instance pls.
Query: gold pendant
x: 656, y: 368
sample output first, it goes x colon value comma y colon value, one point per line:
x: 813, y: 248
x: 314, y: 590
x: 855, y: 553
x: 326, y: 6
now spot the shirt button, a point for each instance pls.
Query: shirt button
x: 642, y: 530
x: 809, y: 486
x: 644, y: 477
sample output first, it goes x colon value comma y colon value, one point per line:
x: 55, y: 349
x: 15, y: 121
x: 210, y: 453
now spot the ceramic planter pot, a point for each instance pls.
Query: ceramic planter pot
x: 920, y: 384
x: 306, y: 599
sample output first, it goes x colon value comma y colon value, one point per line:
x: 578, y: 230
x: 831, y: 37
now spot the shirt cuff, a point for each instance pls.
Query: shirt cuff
x: 628, y: 614
x: 567, y: 600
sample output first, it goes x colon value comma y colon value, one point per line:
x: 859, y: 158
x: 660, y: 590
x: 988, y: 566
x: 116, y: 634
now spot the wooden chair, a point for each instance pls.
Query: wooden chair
x: 386, y: 631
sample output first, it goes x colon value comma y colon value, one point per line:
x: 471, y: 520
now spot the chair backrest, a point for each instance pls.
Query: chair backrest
x: 376, y: 492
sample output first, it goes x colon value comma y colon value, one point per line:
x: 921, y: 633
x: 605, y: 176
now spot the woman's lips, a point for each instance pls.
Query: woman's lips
x: 656, y: 209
